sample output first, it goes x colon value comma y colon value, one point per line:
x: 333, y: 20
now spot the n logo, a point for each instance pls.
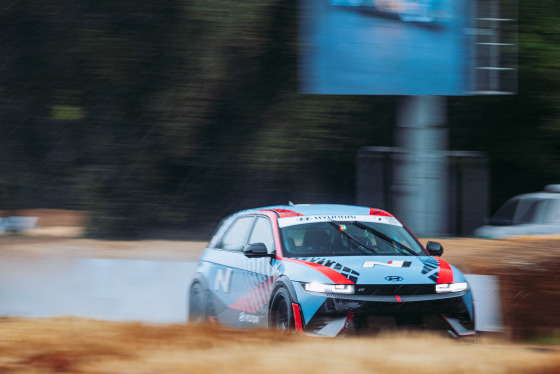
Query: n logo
x: 222, y: 280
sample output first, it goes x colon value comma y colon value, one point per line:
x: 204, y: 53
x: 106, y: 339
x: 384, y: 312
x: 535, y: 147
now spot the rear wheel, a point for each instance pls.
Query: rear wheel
x: 197, y: 304
x: 281, y: 316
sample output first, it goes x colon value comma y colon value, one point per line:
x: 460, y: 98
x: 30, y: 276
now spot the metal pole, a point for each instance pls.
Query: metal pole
x: 421, y: 183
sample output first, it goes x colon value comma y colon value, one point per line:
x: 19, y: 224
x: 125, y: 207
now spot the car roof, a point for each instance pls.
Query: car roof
x: 322, y: 209
x: 551, y: 191
x: 538, y: 195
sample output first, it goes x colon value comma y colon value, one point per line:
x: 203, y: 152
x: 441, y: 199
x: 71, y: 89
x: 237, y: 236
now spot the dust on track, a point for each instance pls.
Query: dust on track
x: 88, y: 346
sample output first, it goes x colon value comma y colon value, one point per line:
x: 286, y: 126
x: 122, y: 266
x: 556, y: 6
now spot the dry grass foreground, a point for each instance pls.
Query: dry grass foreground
x: 87, y: 346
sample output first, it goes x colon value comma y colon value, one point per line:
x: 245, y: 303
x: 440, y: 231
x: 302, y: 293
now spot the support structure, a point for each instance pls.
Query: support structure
x: 420, y: 185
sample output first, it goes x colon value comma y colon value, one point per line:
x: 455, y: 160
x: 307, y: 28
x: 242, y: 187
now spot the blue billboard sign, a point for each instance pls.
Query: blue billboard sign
x: 387, y: 47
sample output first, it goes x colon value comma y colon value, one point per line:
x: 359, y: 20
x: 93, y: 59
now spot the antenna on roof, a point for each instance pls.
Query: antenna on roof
x: 290, y: 203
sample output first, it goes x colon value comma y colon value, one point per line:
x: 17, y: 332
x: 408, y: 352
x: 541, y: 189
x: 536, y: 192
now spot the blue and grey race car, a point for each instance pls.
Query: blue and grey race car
x: 327, y: 270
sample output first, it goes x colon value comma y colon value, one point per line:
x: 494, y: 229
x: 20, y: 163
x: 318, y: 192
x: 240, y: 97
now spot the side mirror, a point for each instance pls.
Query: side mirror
x: 256, y: 250
x: 434, y: 248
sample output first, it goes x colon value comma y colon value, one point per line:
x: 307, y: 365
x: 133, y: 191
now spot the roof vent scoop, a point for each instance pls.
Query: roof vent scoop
x: 552, y: 188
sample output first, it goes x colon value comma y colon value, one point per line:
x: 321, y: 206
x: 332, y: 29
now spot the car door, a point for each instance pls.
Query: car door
x: 253, y: 306
x: 225, y: 270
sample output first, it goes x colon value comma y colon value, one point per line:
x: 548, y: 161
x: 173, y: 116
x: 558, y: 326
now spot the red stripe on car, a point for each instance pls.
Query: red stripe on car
x: 257, y: 292
x: 445, y: 274
x: 297, y: 318
x: 286, y: 213
x: 252, y: 301
x: 379, y: 212
x: 349, y: 318
x: 262, y: 293
x: 248, y: 305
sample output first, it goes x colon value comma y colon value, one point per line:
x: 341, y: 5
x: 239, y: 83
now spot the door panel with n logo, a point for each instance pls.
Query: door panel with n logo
x: 223, y: 267
x: 239, y: 285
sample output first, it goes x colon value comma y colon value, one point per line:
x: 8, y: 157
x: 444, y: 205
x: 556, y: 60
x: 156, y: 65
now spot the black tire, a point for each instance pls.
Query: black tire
x: 197, y: 304
x: 281, y: 315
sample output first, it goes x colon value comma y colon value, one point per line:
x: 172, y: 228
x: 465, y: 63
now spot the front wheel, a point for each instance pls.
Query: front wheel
x: 197, y: 304
x: 281, y: 315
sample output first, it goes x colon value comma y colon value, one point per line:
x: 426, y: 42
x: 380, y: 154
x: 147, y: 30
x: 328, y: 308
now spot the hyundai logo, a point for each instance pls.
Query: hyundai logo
x: 393, y: 278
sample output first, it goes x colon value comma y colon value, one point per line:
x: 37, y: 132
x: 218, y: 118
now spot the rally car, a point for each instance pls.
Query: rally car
x: 327, y: 270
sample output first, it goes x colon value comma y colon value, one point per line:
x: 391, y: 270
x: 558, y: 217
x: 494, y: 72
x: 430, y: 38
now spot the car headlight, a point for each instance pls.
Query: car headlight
x: 329, y: 288
x: 451, y: 287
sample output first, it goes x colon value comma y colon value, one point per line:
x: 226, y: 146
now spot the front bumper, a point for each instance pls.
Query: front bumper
x: 381, y: 311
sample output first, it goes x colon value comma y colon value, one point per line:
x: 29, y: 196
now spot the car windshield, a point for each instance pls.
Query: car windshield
x: 349, y: 238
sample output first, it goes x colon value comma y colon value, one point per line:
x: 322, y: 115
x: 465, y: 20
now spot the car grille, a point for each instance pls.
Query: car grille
x: 393, y: 298
x: 395, y: 289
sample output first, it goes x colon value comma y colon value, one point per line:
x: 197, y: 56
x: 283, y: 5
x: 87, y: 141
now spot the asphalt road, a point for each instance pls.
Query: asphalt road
x: 348, y: 50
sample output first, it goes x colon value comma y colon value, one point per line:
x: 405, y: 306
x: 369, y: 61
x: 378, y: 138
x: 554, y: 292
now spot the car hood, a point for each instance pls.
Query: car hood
x: 370, y: 270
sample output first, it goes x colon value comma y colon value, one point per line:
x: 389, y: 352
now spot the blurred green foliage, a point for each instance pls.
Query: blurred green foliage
x: 174, y: 113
